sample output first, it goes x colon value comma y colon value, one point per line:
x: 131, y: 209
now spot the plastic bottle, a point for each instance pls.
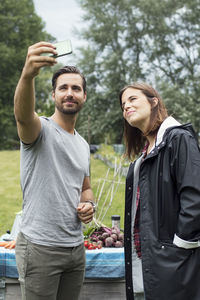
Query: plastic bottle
x: 115, y: 221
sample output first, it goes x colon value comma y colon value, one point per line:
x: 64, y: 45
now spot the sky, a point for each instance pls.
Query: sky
x: 61, y: 17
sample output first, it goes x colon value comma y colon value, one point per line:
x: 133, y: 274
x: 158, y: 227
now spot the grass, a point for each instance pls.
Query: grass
x: 107, y: 151
x: 11, y: 195
x: 10, y: 192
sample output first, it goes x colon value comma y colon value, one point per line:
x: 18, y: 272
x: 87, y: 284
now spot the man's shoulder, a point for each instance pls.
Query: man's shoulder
x: 46, y: 123
x: 81, y: 138
x: 44, y: 119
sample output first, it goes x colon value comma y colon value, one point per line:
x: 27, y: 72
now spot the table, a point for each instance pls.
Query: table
x: 100, y: 263
x: 105, y: 263
x: 104, y: 276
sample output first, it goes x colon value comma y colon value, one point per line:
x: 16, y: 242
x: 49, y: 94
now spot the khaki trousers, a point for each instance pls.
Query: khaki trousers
x: 53, y: 273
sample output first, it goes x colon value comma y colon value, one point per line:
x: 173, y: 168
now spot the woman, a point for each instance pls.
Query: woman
x: 162, y: 209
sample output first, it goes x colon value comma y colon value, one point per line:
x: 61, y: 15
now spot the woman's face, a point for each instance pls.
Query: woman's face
x: 136, y: 108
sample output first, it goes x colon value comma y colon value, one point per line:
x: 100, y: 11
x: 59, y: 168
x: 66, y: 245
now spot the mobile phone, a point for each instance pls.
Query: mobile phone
x: 62, y: 48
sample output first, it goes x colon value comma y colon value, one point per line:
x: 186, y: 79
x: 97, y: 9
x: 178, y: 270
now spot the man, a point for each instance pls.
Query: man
x: 57, y: 194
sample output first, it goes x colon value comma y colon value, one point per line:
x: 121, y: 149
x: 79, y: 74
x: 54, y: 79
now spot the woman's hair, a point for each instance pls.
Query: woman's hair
x: 134, y: 138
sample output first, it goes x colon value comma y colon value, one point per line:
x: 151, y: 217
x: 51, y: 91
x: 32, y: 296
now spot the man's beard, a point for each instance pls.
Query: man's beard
x: 68, y: 111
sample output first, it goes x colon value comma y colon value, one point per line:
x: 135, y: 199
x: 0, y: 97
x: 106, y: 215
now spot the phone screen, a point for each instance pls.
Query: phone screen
x: 62, y: 48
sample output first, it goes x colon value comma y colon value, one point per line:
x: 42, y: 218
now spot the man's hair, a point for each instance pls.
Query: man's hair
x: 134, y: 138
x: 68, y: 69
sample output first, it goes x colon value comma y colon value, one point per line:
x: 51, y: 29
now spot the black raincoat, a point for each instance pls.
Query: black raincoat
x: 169, y: 184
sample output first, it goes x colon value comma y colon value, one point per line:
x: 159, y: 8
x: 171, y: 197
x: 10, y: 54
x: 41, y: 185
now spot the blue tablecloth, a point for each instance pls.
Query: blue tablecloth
x: 100, y: 263
x: 8, y: 263
x: 105, y: 263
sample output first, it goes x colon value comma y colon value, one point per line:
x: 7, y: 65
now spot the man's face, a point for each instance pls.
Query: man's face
x: 69, y: 96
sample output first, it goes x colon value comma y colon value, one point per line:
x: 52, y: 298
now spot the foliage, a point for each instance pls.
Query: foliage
x: 156, y: 41
x: 8, y: 132
x: 43, y: 93
x: 20, y: 27
x: 175, y: 56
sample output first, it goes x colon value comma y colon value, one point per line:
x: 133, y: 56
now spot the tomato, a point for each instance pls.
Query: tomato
x: 86, y: 244
x: 90, y: 247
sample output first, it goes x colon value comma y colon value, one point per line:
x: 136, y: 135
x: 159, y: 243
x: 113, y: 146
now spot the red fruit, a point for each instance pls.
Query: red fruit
x: 86, y: 244
x: 109, y: 242
x: 114, y: 237
x: 118, y: 244
x: 114, y: 231
x: 105, y: 235
x: 121, y: 236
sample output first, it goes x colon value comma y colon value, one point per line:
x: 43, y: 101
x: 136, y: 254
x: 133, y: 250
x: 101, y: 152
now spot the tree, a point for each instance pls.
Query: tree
x: 43, y: 92
x: 106, y: 60
x: 19, y: 28
x: 175, y: 55
x: 152, y: 40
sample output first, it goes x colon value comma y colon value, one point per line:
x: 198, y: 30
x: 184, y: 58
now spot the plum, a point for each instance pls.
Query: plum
x: 105, y: 235
x: 115, y: 229
x: 120, y: 236
x: 118, y: 244
x: 114, y: 237
x: 100, y: 237
x: 109, y: 242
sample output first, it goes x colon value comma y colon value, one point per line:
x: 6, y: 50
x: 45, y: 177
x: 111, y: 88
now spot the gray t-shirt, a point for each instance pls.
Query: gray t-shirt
x: 52, y: 173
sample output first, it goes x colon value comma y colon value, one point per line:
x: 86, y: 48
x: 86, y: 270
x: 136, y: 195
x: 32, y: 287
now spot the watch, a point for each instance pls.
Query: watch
x: 93, y: 205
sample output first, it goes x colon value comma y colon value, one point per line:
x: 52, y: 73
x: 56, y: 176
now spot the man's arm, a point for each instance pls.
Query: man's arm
x: 85, y: 208
x: 28, y: 123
